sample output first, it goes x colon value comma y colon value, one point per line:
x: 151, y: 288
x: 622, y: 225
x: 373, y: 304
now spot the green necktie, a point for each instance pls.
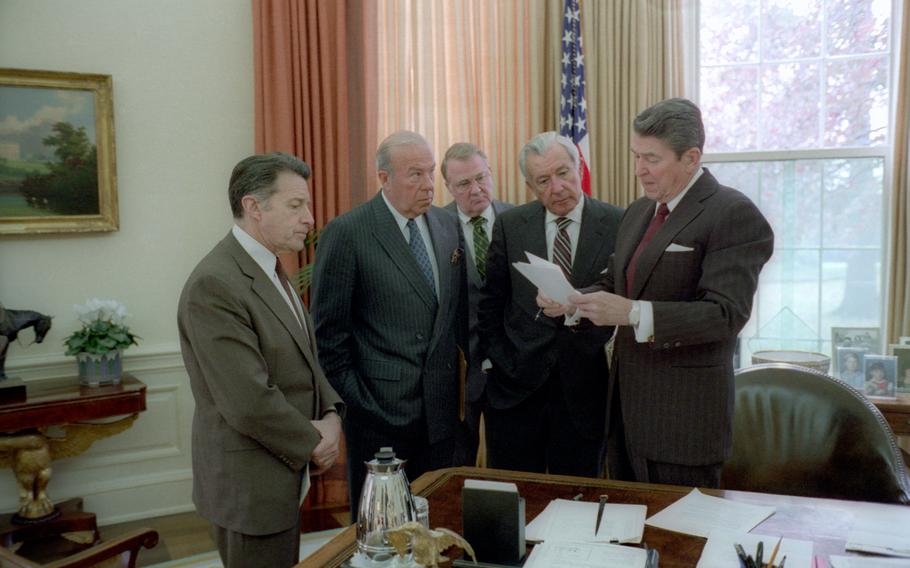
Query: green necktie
x: 481, y: 244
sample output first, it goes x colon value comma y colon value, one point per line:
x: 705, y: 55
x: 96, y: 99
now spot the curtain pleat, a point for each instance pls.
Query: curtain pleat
x: 898, y: 314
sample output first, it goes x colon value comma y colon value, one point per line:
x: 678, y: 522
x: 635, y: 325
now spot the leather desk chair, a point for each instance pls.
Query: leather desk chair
x: 797, y: 431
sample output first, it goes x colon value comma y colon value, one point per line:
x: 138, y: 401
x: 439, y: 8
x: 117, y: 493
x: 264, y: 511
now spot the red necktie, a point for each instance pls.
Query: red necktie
x: 653, y: 226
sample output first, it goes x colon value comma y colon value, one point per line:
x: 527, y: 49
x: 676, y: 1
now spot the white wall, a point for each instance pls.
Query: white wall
x: 183, y: 116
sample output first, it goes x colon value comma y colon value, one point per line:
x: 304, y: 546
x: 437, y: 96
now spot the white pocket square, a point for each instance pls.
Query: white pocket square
x: 678, y: 248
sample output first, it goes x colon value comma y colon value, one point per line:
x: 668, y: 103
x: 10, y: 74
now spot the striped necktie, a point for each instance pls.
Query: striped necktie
x: 481, y: 244
x: 562, y: 246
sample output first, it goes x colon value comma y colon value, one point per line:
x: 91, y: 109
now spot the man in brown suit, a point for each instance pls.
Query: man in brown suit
x: 266, y: 418
x: 680, y: 286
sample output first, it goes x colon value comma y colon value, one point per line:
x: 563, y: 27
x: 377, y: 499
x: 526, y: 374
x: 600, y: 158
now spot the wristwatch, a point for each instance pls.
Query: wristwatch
x: 635, y: 313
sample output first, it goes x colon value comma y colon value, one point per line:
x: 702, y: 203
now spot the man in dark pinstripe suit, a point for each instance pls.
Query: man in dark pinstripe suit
x: 680, y: 287
x: 547, y: 389
x: 390, y: 305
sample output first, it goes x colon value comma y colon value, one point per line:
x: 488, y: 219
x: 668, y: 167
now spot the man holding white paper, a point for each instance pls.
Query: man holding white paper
x: 680, y: 287
x: 547, y: 387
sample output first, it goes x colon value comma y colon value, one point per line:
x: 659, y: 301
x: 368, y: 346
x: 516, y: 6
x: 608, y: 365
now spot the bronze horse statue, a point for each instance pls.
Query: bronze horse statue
x: 14, y: 321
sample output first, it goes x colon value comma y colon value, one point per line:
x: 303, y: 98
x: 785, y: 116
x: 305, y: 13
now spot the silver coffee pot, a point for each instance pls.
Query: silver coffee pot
x: 385, y: 503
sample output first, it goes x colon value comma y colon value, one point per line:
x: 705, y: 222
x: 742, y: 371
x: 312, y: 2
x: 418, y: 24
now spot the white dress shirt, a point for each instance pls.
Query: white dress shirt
x: 574, y: 228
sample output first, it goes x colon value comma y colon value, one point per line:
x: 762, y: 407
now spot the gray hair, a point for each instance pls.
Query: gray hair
x: 256, y: 175
x: 400, y: 138
x: 539, y: 144
x: 461, y: 151
x: 675, y: 122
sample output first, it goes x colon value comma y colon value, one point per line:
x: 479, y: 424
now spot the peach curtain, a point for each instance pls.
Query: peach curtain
x: 467, y: 71
x: 899, y: 285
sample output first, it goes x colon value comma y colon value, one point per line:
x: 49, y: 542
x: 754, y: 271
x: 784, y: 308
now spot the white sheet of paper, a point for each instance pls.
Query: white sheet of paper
x: 720, y: 553
x: 548, y: 278
x: 561, y: 554
x: 881, y: 533
x: 864, y: 562
x: 566, y: 520
x: 698, y: 514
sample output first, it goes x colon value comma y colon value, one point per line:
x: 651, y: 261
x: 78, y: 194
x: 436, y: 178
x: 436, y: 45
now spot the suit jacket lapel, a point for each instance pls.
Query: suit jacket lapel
x: 590, y: 241
x: 445, y: 244
x: 638, y: 216
x: 535, y: 235
x: 263, y: 287
x: 390, y: 238
x: 688, y: 209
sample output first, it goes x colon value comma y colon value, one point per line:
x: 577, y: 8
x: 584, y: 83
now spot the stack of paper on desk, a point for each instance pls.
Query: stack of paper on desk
x: 586, y: 555
x: 881, y: 533
x: 866, y: 562
x: 719, y: 551
x: 565, y: 520
x: 698, y: 514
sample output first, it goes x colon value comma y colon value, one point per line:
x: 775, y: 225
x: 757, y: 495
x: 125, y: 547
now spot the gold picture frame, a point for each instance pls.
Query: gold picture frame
x: 57, y: 161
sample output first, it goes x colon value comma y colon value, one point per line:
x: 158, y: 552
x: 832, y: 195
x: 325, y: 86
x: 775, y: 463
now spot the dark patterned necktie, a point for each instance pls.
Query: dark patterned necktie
x: 656, y: 222
x: 419, y: 249
x: 481, y: 244
x: 562, y: 246
x: 283, y: 278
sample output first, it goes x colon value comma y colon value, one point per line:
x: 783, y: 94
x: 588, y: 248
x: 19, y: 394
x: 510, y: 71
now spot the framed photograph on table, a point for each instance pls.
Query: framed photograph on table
x: 868, y: 338
x: 57, y: 165
x: 902, y: 353
x: 850, y: 366
x: 880, y: 372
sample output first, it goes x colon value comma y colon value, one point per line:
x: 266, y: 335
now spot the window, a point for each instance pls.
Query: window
x: 796, y: 101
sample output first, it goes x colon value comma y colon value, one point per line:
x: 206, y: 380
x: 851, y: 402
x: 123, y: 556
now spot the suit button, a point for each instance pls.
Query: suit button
x: 419, y: 336
x: 677, y: 344
x: 666, y: 345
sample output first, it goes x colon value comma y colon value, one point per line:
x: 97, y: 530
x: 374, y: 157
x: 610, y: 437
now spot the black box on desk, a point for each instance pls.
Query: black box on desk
x: 493, y: 518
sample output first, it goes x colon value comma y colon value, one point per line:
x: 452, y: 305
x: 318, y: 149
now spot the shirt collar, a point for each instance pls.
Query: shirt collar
x: 399, y: 218
x: 486, y: 214
x: 574, y: 214
x: 257, y: 251
x: 671, y: 205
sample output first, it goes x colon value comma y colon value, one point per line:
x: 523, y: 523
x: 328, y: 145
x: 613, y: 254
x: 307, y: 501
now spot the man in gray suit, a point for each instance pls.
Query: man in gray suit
x: 547, y: 388
x: 390, y: 304
x: 680, y: 287
x: 266, y: 417
x: 469, y: 180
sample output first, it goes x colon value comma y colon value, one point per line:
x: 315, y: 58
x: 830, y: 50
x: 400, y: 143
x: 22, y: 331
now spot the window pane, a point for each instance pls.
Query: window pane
x: 729, y: 103
x: 858, y: 26
x: 851, y: 288
x: 852, y: 203
x: 730, y: 35
x: 857, y: 102
x: 790, y: 106
x: 787, y: 299
x: 791, y: 29
x: 790, y: 193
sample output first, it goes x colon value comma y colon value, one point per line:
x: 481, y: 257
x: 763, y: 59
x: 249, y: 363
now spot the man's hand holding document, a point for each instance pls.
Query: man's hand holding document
x: 549, y: 279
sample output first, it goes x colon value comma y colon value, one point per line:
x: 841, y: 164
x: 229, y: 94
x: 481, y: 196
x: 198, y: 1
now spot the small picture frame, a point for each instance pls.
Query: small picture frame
x: 868, y: 338
x: 850, y: 366
x: 902, y: 353
x: 880, y: 373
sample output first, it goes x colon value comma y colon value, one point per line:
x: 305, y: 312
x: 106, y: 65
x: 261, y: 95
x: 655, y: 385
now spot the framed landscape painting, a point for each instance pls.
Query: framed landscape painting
x: 57, y: 167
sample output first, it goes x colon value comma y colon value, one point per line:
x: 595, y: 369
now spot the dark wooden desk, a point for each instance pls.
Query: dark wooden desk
x: 63, y: 403
x: 825, y: 522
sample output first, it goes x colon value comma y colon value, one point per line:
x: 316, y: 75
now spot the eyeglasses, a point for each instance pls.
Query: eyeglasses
x: 466, y: 184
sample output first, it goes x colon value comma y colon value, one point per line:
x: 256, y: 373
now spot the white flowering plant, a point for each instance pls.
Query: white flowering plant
x: 103, y: 329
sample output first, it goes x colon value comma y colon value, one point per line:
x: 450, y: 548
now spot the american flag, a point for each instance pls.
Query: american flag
x: 573, y: 110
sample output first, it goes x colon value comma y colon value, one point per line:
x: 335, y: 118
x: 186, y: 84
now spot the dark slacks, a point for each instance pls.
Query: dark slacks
x: 623, y: 465
x: 539, y: 435
x: 467, y: 437
x: 363, y: 443
x: 239, y: 550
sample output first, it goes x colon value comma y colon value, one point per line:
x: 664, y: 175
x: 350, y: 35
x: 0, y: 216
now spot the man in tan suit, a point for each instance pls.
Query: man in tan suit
x: 265, y: 418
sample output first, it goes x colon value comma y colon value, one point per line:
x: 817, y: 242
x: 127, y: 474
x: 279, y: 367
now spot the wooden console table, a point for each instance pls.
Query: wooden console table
x: 825, y: 522
x: 25, y: 447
